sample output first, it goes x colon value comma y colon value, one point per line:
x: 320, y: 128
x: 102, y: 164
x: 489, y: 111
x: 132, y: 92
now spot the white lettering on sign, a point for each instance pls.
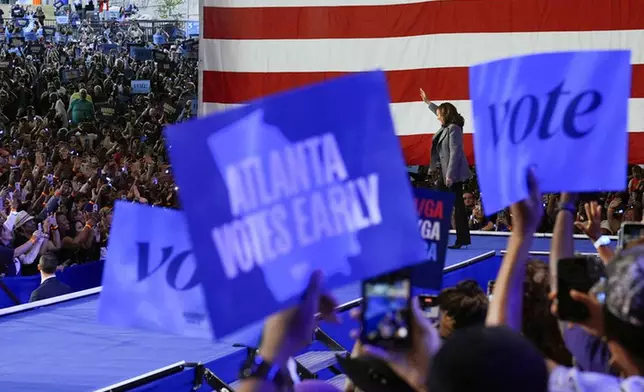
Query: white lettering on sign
x: 430, y: 230
x: 292, y: 197
x: 432, y: 252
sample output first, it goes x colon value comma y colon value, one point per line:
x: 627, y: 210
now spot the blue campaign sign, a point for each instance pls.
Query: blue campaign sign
x: 22, y: 22
x: 140, y: 87
x: 141, y: 54
x: 304, y: 180
x: 62, y: 19
x: 158, y: 39
x: 106, y: 48
x: 48, y: 30
x: 60, y: 38
x: 556, y: 112
x: 434, y: 211
x: 150, y: 279
x: 192, y: 28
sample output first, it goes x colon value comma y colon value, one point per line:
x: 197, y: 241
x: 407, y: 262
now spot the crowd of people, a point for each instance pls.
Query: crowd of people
x: 76, y: 134
x: 518, y: 339
x: 617, y: 207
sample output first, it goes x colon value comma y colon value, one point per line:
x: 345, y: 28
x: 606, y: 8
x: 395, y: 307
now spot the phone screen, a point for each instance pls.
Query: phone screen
x: 580, y: 274
x: 429, y: 306
x: 631, y: 232
x: 385, y: 316
x: 490, y: 288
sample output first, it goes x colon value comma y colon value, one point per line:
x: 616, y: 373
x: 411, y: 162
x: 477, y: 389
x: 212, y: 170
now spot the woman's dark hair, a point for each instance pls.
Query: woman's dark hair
x: 539, y: 325
x: 451, y: 115
x: 466, y: 303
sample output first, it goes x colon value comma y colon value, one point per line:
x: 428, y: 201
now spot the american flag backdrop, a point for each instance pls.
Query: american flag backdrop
x: 251, y: 48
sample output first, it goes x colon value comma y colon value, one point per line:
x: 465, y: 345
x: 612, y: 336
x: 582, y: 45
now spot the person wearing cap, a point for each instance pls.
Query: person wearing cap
x: 50, y: 286
x: 10, y: 262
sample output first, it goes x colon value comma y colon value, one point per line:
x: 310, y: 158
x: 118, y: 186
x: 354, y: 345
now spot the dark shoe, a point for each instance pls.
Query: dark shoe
x: 457, y: 246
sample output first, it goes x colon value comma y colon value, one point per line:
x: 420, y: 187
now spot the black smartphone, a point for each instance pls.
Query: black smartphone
x: 630, y: 231
x: 385, y: 312
x: 372, y: 374
x: 429, y: 306
x: 580, y: 274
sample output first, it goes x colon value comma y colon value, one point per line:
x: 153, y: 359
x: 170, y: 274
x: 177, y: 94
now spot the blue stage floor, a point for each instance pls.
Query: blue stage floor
x: 63, y: 348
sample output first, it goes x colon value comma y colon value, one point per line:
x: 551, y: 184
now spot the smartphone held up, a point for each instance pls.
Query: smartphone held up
x: 579, y: 273
x: 386, y: 310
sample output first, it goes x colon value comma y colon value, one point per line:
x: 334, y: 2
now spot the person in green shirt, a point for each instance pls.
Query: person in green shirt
x: 81, y: 109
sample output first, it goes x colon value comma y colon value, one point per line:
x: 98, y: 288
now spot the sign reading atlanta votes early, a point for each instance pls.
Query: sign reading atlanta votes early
x: 305, y: 180
x: 434, y: 221
x: 557, y: 112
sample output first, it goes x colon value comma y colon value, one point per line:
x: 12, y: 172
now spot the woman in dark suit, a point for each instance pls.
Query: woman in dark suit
x: 448, y: 157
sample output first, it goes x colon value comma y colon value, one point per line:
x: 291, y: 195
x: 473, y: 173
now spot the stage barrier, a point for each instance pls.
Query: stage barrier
x: 16, y: 290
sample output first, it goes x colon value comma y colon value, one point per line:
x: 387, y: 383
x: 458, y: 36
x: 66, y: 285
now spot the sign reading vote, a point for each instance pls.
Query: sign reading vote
x: 434, y: 221
x: 140, y: 86
x: 557, y: 112
x: 306, y: 180
x: 149, y: 281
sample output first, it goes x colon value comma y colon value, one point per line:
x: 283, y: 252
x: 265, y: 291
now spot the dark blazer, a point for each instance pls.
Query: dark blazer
x: 52, y: 287
x: 448, y: 152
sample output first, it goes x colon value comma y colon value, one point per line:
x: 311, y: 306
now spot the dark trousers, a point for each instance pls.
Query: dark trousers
x: 460, y: 215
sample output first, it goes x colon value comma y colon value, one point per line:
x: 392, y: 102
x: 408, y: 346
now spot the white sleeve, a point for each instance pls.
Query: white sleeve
x: 30, y: 257
x: 11, y: 220
x: 564, y: 379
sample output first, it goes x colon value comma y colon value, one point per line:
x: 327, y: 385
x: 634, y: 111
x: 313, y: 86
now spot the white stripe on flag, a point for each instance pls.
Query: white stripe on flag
x: 414, y: 118
x: 428, y: 51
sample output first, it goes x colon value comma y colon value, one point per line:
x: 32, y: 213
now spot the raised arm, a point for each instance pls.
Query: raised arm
x: 432, y: 106
x: 506, y: 307
x: 562, y: 236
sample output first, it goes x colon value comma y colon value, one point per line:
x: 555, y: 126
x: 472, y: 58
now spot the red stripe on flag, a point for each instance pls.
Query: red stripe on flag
x: 441, y: 83
x: 433, y: 17
x: 416, y: 148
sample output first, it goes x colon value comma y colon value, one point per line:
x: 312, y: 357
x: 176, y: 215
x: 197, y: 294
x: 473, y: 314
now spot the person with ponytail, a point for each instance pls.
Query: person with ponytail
x: 448, y: 158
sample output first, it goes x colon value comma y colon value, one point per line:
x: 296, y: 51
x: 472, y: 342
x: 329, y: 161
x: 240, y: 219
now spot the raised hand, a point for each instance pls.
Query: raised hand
x: 423, y: 96
x: 411, y: 365
x: 526, y: 214
x: 592, y: 227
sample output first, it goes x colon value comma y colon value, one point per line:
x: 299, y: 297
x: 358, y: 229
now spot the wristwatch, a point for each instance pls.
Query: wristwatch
x: 255, y: 367
x: 567, y: 206
x: 602, y: 241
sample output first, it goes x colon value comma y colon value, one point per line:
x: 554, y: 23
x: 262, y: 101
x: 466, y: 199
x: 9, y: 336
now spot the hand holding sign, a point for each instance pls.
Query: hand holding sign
x: 527, y: 214
x: 288, y: 332
x: 314, y: 180
x: 537, y: 110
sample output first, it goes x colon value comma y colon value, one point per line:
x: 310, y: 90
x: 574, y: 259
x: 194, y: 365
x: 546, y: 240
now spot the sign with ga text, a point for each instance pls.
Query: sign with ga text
x: 556, y: 112
x: 149, y: 280
x: 434, y: 211
x: 306, y: 180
